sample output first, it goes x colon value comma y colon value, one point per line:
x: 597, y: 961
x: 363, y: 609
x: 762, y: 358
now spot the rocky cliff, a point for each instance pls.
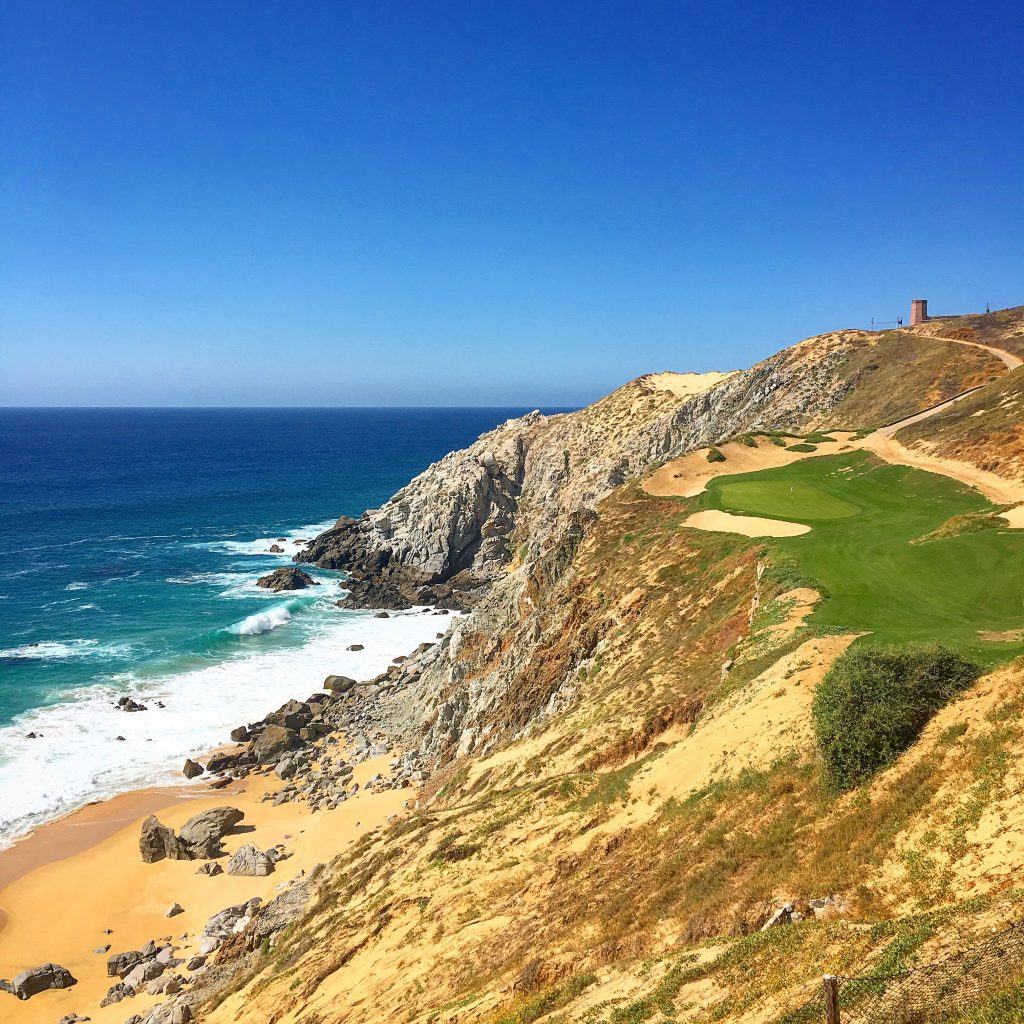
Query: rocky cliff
x: 493, y: 528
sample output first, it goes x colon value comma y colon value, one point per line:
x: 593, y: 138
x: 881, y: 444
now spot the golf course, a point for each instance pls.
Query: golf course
x: 897, y: 553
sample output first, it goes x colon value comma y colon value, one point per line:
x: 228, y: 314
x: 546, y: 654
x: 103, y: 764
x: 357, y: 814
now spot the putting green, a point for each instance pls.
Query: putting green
x: 865, y: 515
x: 801, y: 500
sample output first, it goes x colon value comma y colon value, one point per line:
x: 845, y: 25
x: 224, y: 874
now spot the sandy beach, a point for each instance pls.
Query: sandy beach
x: 62, y: 886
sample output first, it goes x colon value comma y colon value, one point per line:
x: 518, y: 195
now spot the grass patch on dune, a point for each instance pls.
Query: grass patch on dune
x: 874, y: 703
x: 904, y: 555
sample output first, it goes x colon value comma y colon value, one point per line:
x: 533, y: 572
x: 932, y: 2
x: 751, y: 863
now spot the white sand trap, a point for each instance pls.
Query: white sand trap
x: 749, y: 526
x: 1014, y: 516
x: 683, y: 385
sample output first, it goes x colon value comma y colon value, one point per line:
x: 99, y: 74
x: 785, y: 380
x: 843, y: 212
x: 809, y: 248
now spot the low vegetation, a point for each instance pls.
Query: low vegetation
x: 874, y: 703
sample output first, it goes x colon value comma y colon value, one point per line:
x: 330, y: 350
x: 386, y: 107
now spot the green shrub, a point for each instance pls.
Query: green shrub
x: 804, y: 447
x: 874, y: 702
x: 749, y: 440
x: 714, y: 455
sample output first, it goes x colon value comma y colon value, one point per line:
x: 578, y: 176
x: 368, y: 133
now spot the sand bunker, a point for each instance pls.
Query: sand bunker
x: 1014, y: 516
x: 683, y: 385
x: 686, y: 476
x: 748, y: 526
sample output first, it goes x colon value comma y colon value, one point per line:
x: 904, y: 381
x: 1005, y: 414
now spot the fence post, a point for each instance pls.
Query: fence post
x: 830, y: 983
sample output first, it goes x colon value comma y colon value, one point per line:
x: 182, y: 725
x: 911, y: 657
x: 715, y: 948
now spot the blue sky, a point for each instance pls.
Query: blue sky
x: 485, y: 203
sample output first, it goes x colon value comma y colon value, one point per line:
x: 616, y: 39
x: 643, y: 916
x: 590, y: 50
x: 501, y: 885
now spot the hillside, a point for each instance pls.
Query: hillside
x: 632, y: 773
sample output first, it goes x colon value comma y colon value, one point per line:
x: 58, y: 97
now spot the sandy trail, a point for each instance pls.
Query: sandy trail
x: 1010, y: 361
x: 996, y: 488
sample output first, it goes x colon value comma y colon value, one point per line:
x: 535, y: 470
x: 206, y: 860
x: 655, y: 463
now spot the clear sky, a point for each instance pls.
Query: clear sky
x: 485, y: 203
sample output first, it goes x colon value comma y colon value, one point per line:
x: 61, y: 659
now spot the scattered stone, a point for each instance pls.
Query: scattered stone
x: 196, y: 962
x: 241, y: 734
x: 210, y: 868
x: 192, y: 769
x: 382, y: 615
x: 355, y: 647
x: 276, y: 549
x: 250, y: 861
x: 165, y: 985
x: 127, y: 704
x: 142, y: 973
x: 73, y: 1018
x: 102, y: 950
x: 339, y: 684
x: 783, y: 916
x: 174, y: 910
x: 116, y: 993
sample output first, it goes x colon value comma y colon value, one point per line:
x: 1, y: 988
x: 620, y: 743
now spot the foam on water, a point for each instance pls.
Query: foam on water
x: 291, y: 543
x: 78, y: 758
x: 54, y: 650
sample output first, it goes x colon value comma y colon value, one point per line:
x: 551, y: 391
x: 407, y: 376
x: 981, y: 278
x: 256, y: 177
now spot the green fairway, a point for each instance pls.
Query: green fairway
x: 864, y: 514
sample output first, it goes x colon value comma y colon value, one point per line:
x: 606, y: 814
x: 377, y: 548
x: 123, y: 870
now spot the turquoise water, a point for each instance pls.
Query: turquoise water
x: 134, y: 541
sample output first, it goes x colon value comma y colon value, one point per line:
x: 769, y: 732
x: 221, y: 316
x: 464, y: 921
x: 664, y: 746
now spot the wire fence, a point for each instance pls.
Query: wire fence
x: 921, y: 995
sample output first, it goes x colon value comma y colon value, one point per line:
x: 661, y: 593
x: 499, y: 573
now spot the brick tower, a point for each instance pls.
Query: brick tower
x: 918, y: 311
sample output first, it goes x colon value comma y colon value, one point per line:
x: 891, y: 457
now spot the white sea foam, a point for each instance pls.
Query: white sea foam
x: 77, y: 586
x: 261, y: 545
x: 263, y: 622
x: 54, y: 650
x: 78, y: 759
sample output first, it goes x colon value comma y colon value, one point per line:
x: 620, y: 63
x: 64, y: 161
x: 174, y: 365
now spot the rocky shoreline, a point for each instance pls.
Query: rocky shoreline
x: 311, y: 748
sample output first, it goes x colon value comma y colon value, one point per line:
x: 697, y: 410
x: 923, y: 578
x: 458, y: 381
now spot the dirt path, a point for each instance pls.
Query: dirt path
x: 1009, y: 359
x: 883, y: 443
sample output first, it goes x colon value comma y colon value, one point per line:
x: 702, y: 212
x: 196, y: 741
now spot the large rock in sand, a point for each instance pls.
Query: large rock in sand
x: 250, y: 861
x: 202, y: 834
x: 158, y: 842
x: 40, y: 979
x: 274, y: 741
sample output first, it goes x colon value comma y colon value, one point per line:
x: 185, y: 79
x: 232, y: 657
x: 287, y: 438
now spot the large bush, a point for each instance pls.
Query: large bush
x: 875, y: 701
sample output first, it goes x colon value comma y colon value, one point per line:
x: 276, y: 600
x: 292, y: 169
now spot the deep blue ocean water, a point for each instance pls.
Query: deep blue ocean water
x: 134, y: 540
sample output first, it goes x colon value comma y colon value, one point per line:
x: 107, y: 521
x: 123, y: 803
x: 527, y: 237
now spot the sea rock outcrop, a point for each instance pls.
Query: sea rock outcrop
x: 286, y: 578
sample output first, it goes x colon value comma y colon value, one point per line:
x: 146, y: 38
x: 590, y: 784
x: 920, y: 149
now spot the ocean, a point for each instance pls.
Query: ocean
x: 135, y: 537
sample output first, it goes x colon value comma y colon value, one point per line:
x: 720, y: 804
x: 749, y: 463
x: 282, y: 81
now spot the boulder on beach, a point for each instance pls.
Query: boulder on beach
x: 339, y: 684
x: 211, y: 867
x: 191, y: 769
x: 241, y: 734
x: 202, y: 833
x: 250, y: 861
x: 286, y: 578
x: 274, y: 741
x: 355, y: 647
x: 158, y: 842
x: 39, y: 979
